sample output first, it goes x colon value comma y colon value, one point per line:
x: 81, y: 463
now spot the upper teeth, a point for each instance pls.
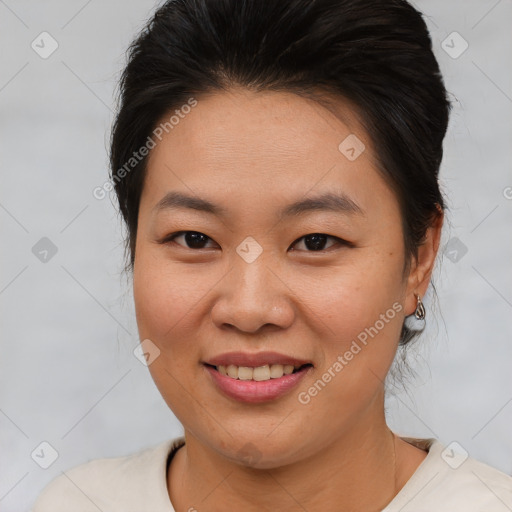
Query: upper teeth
x: 267, y: 372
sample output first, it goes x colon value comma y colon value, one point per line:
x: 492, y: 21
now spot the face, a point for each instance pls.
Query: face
x: 279, y: 248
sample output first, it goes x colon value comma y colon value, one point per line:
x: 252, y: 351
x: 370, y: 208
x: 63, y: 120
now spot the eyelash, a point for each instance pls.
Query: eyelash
x: 170, y: 238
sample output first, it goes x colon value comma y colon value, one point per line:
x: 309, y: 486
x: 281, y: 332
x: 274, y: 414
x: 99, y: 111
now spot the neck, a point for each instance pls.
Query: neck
x: 356, y: 471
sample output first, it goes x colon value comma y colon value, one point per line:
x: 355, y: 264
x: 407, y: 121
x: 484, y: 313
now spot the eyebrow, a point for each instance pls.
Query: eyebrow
x: 340, y: 203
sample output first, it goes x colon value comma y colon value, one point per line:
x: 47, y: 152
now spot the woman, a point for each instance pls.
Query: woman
x: 276, y: 166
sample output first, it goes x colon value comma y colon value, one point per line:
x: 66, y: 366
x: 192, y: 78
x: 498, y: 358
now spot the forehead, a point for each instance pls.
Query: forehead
x: 239, y: 123
x: 241, y: 143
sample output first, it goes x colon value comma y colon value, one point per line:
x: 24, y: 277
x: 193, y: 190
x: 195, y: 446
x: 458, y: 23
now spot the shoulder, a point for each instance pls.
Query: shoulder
x: 476, y: 485
x: 449, y: 479
x: 111, y: 483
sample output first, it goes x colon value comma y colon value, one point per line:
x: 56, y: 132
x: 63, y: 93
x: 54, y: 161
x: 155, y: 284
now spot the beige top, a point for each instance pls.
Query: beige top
x: 445, y: 481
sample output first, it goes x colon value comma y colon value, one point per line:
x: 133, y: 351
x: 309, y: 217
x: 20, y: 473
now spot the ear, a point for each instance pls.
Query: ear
x: 422, y: 267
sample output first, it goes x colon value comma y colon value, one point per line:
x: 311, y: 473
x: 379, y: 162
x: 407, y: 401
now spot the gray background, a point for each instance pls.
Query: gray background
x: 68, y: 375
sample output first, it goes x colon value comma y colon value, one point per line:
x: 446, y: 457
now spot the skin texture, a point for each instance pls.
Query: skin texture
x: 253, y: 154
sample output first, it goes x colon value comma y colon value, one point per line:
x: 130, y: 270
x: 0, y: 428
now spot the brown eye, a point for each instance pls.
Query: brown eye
x: 192, y: 239
x: 316, y: 242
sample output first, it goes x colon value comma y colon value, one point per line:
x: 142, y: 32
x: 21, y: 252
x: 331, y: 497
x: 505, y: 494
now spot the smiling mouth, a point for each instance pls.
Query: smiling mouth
x: 258, y: 373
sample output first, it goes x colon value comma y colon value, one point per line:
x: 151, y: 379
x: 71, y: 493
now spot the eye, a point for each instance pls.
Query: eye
x: 315, y: 242
x: 192, y: 239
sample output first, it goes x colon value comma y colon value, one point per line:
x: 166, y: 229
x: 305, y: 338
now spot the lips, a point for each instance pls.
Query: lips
x: 254, y: 360
x: 266, y: 372
x: 257, y: 377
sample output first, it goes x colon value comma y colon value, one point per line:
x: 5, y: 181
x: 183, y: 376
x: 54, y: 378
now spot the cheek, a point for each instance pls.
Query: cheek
x: 358, y: 325
x: 360, y: 315
x: 165, y: 304
x: 164, y: 296
x: 348, y: 298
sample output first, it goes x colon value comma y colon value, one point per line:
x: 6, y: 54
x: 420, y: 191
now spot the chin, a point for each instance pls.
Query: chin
x: 261, y: 454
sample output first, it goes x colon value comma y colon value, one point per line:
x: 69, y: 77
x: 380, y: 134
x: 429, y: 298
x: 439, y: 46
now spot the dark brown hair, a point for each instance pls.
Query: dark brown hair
x: 375, y: 53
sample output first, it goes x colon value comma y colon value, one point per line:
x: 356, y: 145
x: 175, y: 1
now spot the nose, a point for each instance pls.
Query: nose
x: 253, y: 297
